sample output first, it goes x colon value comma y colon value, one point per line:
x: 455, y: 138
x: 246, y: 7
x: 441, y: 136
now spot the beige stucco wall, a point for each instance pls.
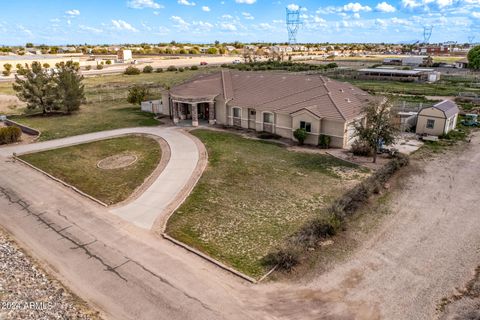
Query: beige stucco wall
x: 306, y: 116
x: 335, y: 130
x: 220, y: 111
x: 433, y: 114
x: 166, y: 106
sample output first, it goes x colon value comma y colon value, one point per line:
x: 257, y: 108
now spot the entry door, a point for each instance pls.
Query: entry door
x: 252, y: 115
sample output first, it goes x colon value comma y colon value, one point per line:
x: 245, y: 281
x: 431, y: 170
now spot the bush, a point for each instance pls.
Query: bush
x: 172, y: 69
x: 193, y: 68
x: 361, y: 149
x: 137, y: 94
x: 131, y: 71
x: 88, y: 68
x: 108, y: 62
x: 181, y: 69
x: 324, y: 141
x: 148, y: 69
x: 284, y: 259
x: 300, y: 134
x: 159, y: 70
x: 99, y: 66
x: 10, y: 135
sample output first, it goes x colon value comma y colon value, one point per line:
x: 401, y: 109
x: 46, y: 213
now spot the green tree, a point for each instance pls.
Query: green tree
x: 37, y: 89
x: 300, y: 134
x: 212, y: 51
x: 378, y: 128
x: 7, y: 69
x: 29, y: 45
x: 137, y: 94
x: 474, y: 58
x: 46, y: 65
x: 69, y: 87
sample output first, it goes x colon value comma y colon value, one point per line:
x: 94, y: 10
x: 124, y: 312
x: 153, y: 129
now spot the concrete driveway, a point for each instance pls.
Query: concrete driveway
x: 160, y: 199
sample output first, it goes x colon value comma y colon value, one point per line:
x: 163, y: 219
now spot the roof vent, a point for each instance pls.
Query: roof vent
x: 284, y: 78
x: 348, y: 100
x: 341, y: 90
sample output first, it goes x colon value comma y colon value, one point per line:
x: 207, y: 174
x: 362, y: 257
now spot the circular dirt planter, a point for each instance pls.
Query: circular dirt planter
x: 117, y: 161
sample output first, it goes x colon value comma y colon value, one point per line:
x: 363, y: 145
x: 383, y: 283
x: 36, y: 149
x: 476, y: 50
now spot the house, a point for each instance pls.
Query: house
x: 437, y: 120
x: 271, y: 102
x: 461, y: 64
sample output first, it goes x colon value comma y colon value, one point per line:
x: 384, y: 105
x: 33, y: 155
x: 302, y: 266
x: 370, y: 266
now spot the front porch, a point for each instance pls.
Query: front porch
x: 193, y: 113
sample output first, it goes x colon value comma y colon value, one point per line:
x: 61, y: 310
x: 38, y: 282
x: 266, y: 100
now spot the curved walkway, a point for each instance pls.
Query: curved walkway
x: 166, y: 193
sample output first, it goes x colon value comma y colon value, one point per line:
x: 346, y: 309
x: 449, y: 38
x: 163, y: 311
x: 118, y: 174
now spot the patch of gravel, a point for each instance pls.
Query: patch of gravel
x: 27, y: 292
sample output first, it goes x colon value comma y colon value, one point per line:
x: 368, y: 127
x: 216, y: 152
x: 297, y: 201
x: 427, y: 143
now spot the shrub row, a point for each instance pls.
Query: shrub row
x: 318, y: 229
x: 279, y: 65
x: 10, y: 135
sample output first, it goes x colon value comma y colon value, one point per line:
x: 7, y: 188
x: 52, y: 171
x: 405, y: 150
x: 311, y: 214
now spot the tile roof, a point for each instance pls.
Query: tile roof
x: 280, y: 92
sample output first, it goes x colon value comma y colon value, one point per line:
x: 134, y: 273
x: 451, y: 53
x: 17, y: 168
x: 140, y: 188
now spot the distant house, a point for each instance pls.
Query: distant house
x: 230, y: 48
x: 124, y: 55
x: 439, y: 119
x: 461, y: 64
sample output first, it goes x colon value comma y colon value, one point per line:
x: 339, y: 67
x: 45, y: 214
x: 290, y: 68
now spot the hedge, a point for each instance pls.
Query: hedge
x: 10, y: 135
x: 318, y: 229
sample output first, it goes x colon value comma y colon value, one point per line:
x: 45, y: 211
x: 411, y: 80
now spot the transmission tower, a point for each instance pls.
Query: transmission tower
x: 293, y: 24
x: 427, y: 33
x: 470, y: 39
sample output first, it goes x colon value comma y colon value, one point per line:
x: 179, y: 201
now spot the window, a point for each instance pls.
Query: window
x: 268, y: 117
x: 430, y: 123
x: 236, y: 112
x: 253, y: 112
x: 306, y: 125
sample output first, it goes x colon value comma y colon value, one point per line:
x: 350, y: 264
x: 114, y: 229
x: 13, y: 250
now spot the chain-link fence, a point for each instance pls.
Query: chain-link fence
x: 105, y: 94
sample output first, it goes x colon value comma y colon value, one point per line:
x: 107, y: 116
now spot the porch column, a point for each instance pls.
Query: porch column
x: 211, y: 113
x: 175, y: 112
x: 194, y: 114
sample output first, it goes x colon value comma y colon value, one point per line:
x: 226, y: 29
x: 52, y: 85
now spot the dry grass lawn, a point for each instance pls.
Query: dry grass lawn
x: 253, y: 195
x: 77, y: 165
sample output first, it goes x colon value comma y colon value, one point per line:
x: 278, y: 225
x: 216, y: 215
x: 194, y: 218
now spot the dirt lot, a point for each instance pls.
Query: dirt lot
x: 10, y: 104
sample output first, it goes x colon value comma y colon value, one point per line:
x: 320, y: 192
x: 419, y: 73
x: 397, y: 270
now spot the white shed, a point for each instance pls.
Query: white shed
x: 439, y: 119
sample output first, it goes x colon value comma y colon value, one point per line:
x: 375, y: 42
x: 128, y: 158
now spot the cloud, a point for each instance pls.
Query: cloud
x: 385, y: 7
x: 90, y: 29
x: 206, y: 9
x: 123, y: 25
x: 476, y: 15
x: 247, y: 16
x: 355, y: 7
x: 140, y: 4
x: 186, y: 3
x: 73, y: 12
x: 227, y: 27
x: 180, y: 23
x: 293, y: 7
x: 246, y: 1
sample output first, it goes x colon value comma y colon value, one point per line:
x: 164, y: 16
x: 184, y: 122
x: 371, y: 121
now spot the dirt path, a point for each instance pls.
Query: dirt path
x: 419, y: 256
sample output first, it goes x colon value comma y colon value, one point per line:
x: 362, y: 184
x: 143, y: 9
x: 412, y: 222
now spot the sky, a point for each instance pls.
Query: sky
x: 57, y: 22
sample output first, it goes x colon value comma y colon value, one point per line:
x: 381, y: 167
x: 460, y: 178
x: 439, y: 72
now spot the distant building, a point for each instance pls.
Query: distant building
x: 410, y: 61
x: 124, y: 55
x: 461, y: 64
x: 416, y: 75
x: 439, y: 119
